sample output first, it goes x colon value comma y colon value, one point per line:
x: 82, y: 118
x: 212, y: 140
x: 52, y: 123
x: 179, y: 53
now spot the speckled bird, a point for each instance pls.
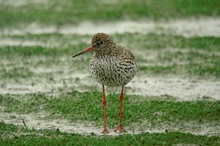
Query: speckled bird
x: 111, y: 65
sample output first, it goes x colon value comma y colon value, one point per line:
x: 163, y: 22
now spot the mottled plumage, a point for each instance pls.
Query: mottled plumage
x: 113, y: 69
x: 111, y: 65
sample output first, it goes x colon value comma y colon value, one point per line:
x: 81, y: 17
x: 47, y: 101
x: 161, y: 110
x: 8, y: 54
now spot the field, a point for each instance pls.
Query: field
x: 49, y: 98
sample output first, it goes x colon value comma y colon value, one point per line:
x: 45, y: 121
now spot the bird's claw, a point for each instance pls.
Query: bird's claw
x: 120, y: 129
x: 105, y: 131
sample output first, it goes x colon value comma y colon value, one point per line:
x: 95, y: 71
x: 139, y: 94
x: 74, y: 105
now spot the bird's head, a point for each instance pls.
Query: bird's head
x: 99, y: 44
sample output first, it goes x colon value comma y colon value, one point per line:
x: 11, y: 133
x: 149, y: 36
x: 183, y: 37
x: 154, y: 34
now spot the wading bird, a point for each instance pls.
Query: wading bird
x: 111, y: 65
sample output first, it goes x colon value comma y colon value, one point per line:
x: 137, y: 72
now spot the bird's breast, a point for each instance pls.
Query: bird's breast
x: 112, y: 71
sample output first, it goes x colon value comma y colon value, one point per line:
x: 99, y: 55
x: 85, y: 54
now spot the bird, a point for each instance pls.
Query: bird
x: 112, y: 65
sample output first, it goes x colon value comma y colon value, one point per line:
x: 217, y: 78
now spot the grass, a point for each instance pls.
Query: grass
x: 22, y: 136
x: 47, y: 65
x: 191, y: 57
x: 53, y: 12
x: 77, y: 107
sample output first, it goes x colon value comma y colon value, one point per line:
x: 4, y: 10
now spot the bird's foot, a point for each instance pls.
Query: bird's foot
x: 120, y: 129
x: 105, y: 131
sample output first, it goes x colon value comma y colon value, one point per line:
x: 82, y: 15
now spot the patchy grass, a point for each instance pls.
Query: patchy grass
x: 68, y: 12
x: 14, y: 135
x: 185, y: 57
x: 77, y: 107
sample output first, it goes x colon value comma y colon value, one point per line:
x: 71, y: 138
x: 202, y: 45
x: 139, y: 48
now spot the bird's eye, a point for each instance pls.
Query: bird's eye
x: 99, y: 43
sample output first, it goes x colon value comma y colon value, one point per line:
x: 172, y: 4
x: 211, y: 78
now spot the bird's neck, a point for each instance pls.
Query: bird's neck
x: 107, y: 52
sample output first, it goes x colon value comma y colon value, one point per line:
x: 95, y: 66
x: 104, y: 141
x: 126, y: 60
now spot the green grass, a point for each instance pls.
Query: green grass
x: 15, y: 135
x: 69, y: 12
x: 77, y: 107
x: 80, y: 107
x: 190, y: 57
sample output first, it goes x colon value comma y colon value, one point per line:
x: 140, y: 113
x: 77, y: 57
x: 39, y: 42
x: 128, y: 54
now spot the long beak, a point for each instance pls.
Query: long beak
x: 84, y: 51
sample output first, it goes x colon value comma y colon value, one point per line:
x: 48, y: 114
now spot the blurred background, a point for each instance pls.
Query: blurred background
x: 56, y: 12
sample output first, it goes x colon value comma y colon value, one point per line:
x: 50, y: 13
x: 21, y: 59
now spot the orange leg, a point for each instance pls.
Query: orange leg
x: 105, y: 131
x: 120, y: 127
